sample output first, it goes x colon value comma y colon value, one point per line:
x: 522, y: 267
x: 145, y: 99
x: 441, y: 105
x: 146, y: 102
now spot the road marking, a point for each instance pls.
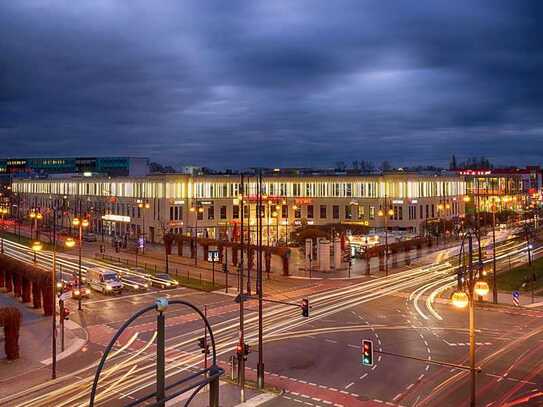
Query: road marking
x: 330, y: 341
x: 397, y: 397
x: 349, y: 385
x: 420, y: 377
x: 410, y: 386
x: 363, y: 376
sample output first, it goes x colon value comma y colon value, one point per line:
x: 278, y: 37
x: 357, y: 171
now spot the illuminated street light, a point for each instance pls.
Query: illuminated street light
x: 460, y: 299
x: 466, y: 198
x: 481, y: 288
x: 70, y: 242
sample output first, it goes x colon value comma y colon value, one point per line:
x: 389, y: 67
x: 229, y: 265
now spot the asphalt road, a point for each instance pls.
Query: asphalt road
x: 317, y: 359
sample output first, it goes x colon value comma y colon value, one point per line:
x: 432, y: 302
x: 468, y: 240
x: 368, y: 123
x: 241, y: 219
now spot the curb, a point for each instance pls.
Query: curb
x: 76, y: 345
x: 258, y: 400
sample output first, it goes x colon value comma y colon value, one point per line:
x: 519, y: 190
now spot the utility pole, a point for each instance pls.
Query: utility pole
x: 241, y: 361
x: 494, y: 285
x: 260, y: 365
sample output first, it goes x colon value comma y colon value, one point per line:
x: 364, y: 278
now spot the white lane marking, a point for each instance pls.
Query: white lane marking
x: 349, y: 385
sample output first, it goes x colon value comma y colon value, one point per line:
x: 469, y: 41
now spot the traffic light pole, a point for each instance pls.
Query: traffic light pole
x: 241, y: 361
x: 260, y: 365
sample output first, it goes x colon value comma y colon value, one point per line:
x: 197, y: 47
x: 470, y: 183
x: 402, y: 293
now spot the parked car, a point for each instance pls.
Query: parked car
x: 163, y: 280
x: 90, y: 237
x: 104, y: 280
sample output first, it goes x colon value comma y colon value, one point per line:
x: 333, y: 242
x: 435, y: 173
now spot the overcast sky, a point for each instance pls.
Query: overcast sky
x: 276, y: 83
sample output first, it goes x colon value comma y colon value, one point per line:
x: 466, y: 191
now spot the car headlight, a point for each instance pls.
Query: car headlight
x: 146, y: 285
x: 168, y: 284
x: 108, y: 287
x: 76, y: 293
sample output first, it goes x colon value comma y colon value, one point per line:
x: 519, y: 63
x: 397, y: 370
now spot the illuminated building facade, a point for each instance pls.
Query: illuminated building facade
x: 514, y: 189
x: 289, y: 202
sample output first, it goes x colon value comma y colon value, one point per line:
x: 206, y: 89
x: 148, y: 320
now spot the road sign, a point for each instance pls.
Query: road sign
x: 516, y: 298
x: 213, y: 255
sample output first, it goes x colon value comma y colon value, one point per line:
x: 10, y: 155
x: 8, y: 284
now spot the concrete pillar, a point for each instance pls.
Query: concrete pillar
x: 337, y: 254
x: 324, y: 255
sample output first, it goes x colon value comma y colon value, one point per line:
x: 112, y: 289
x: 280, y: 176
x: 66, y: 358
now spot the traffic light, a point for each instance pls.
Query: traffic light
x: 367, y: 352
x: 305, y: 307
x: 246, y: 350
x: 239, y: 350
x: 202, y: 343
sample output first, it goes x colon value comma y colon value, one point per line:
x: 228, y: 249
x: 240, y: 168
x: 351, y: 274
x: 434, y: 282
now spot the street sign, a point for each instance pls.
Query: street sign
x: 516, y: 298
x: 213, y: 255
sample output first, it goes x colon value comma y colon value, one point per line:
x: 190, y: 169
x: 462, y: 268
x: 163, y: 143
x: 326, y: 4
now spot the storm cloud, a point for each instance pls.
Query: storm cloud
x: 276, y: 83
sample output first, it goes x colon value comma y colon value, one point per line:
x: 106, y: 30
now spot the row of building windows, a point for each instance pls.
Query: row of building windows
x: 210, y: 190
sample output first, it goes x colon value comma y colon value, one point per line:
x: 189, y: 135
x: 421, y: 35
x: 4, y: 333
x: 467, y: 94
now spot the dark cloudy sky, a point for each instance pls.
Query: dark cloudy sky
x: 276, y: 82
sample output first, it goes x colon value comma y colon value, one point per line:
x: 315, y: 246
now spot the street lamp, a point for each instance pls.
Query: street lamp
x: 381, y: 213
x: 84, y: 223
x: 3, y: 212
x: 36, y: 247
x: 143, y: 205
x: 35, y: 216
x: 197, y: 211
x: 469, y: 285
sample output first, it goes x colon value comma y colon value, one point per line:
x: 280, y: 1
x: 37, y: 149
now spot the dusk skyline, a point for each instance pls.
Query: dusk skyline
x: 230, y: 85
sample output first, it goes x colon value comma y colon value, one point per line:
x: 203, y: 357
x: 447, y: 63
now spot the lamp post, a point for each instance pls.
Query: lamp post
x: 3, y: 212
x: 197, y: 210
x: 143, y: 206
x: 35, y: 216
x: 78, y: 223
x: 385, y: 214
x: 469, y: 285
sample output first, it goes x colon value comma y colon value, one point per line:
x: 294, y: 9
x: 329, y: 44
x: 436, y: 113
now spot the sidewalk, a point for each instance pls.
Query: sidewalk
x: 35, y: 343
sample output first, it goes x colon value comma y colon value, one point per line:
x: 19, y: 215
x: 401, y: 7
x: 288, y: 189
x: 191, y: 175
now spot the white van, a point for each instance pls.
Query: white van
x: 104, y: 280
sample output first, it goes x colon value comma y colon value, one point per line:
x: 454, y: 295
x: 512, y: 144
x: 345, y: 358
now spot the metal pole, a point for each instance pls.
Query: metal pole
x: 386, y: 243
x: 205, y: 338
x: 79, y: 271
x: 241, y: 362
x: 494, y: 285
x: 260, y: 366
x: 62, y: 314
x: 161, y: 360
x: 471, y: 295
x: 54, y: 318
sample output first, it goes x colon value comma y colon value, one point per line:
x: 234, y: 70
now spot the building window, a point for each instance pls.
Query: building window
x: 400, y: 212
x: 361, y: 213
x: 235, y: 212
x: 246, y: 211
x: 200, y: 215
x: 284, y: 211
x: 433, y: 213
x: 323, y: 212
x: 348, y: 212
x: 372, y: 212
x: 211, y: 213
x: 335, y: 211
x: 427, y: 211
x: 420, y: 213
x: 223, y: 212
x: 298, y: 212
x: 309, y: 211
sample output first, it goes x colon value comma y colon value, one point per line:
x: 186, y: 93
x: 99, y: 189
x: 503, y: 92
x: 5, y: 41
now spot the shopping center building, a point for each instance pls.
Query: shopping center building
x: 211, y: 206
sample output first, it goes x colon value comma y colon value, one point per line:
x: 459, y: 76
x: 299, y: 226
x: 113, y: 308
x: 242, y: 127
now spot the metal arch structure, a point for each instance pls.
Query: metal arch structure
x: 210, y: 376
